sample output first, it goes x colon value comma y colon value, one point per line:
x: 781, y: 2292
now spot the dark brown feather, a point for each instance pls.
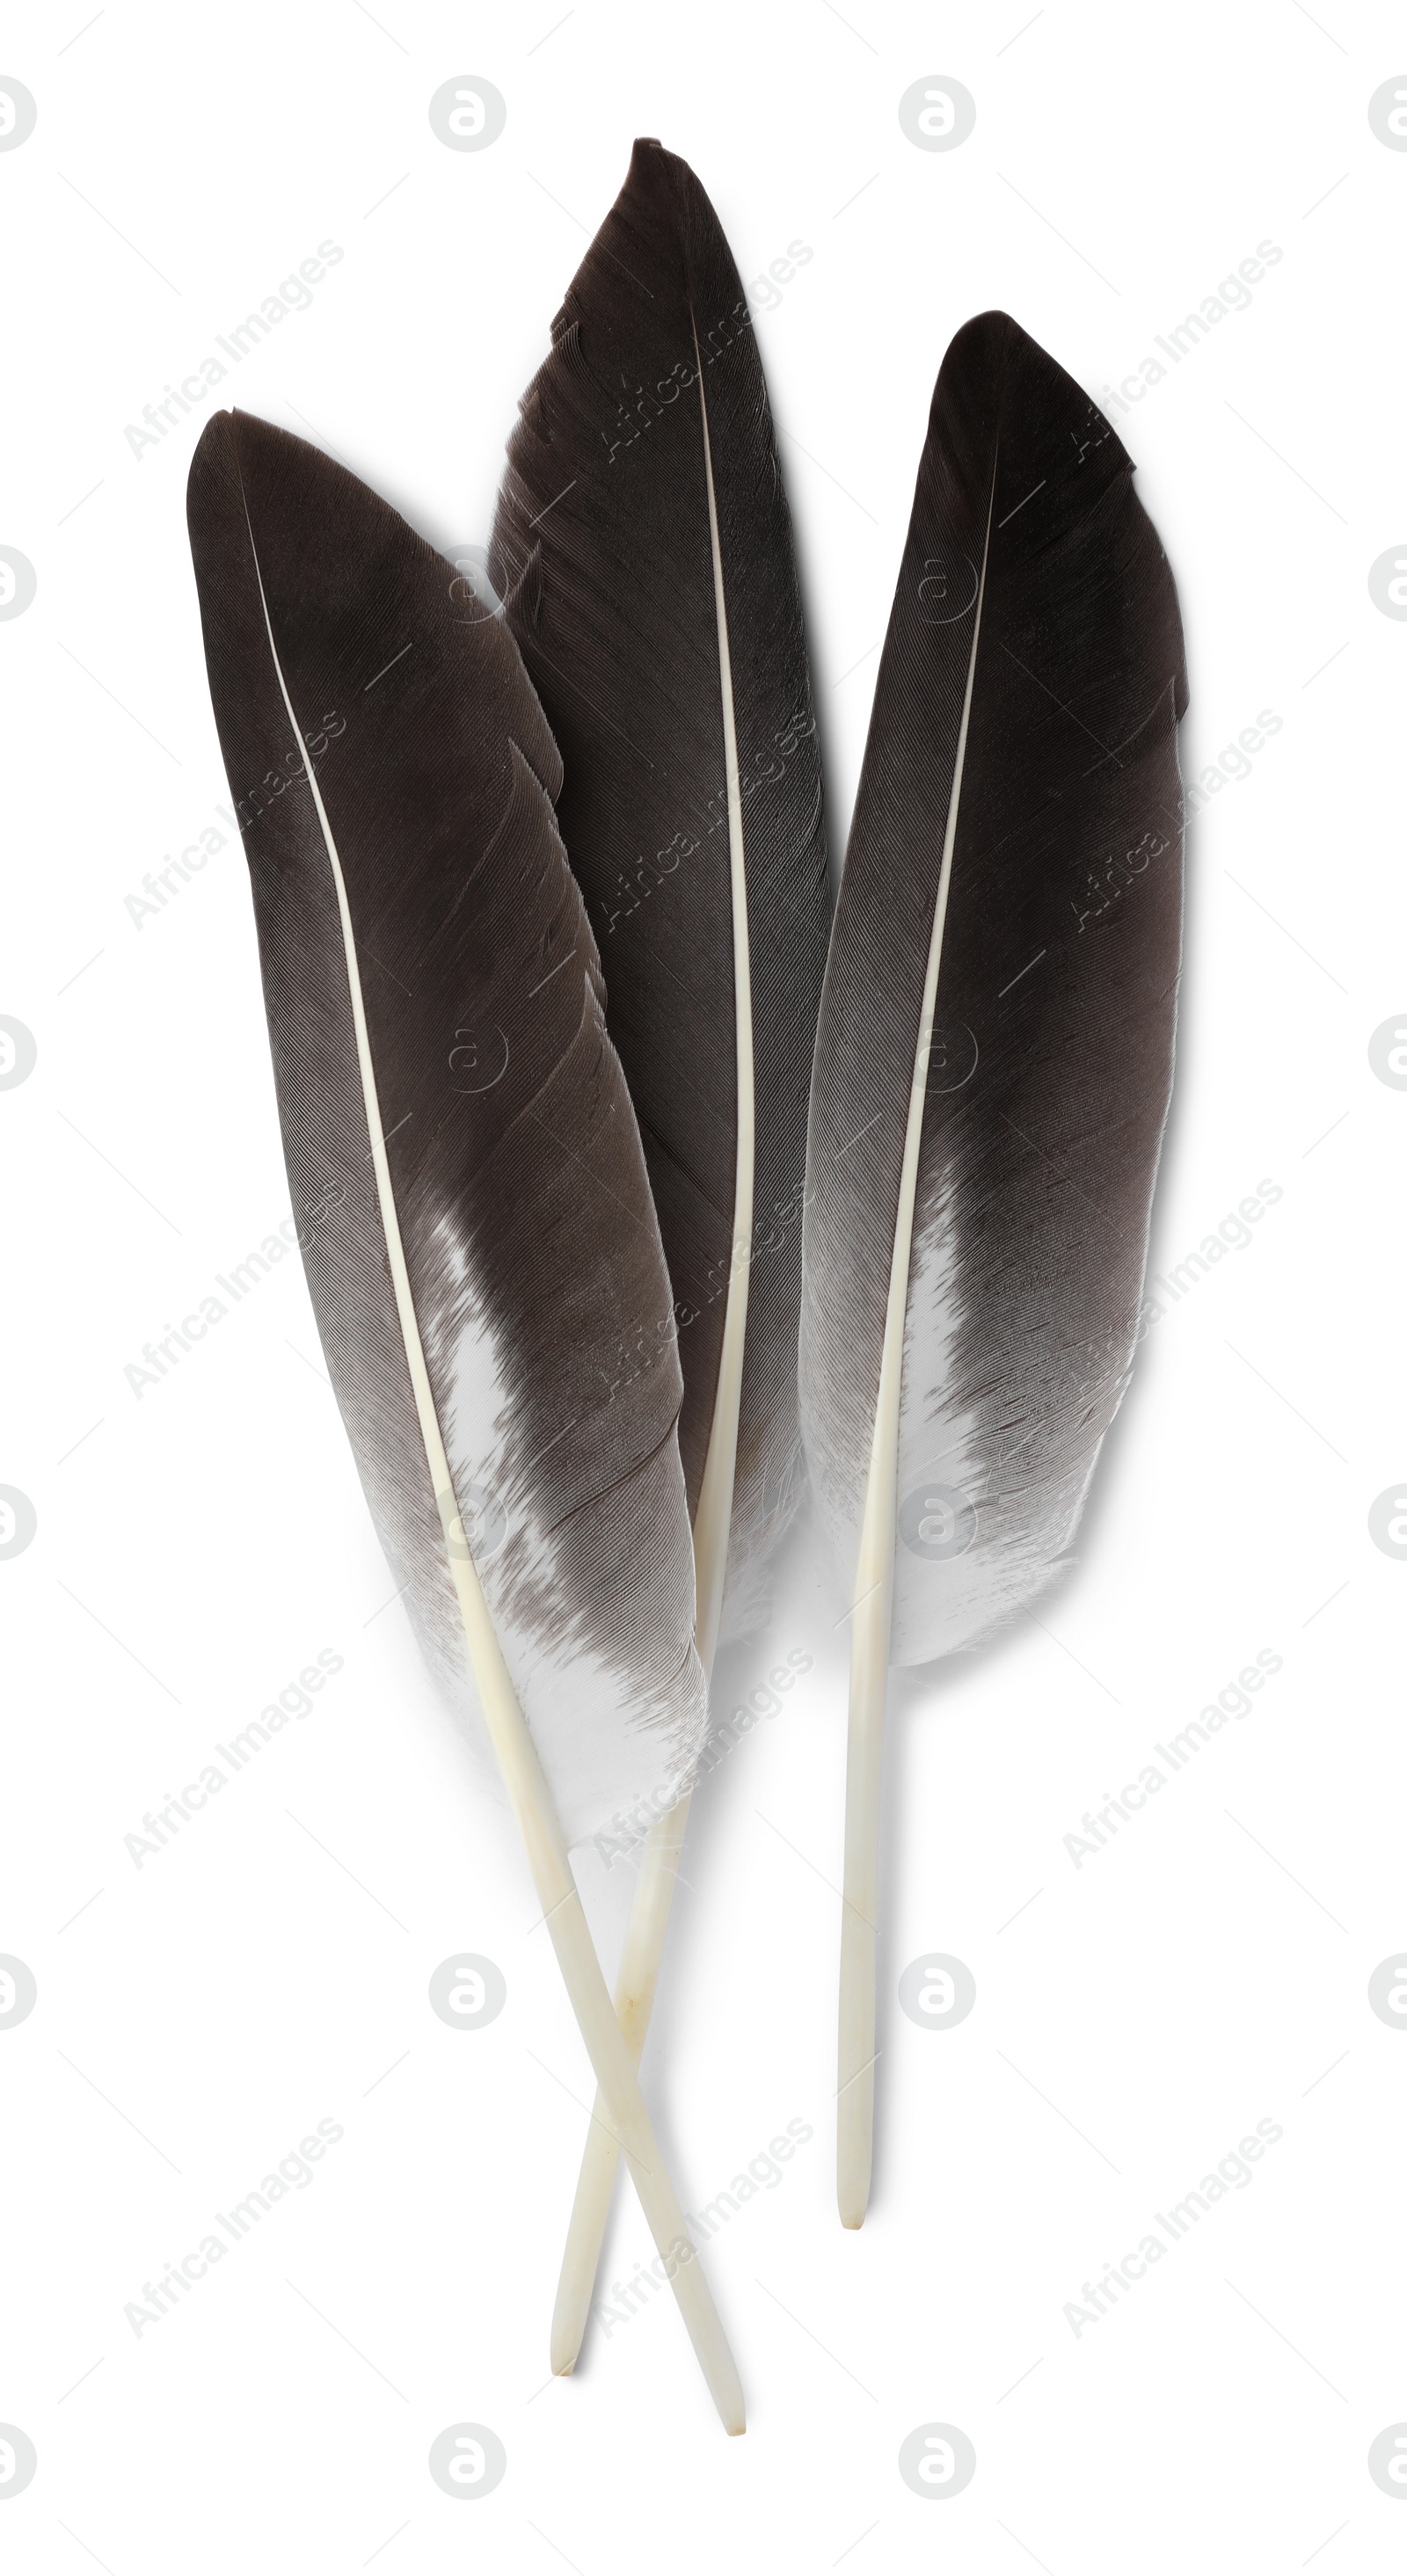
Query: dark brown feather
x: 520, y: 1191
x: 1051, y: 1054
x: 602, y: 545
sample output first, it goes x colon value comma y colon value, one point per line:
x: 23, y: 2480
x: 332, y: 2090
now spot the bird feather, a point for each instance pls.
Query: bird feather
x: 488, y: 1266
x: 993, y: 1059
x: 486, y: 1263
x: 643, y: 544
x: 999, y: 1001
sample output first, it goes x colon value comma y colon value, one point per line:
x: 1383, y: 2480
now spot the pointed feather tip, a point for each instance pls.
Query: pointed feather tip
x: 233, y: 442
x: 996, y: 339
x: 647, y: 154
x: 273, y: 463
x: 662, y: 235
x: 213, y: 460
x: 248, y: 444
x: 1024, y: 380
x: 664, y: 181
x: 994, y: 345
x: 231, y: 436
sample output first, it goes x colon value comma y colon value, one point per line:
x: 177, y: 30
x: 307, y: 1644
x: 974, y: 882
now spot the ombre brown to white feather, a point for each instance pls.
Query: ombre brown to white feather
x: 994, y: 1057
x: 530, y: 1241
x: 644, y: 543
x: 488, y: 1263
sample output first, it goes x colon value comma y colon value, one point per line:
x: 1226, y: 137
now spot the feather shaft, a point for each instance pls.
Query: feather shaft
x: 713, y: 1517
x: 873, y: 1613
x: 855, y: 2040
x: 634, y: 2002
x: 649, y: 1921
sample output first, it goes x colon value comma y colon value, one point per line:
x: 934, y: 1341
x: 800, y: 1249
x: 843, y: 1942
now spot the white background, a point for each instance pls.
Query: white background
x: 1135, y: 2016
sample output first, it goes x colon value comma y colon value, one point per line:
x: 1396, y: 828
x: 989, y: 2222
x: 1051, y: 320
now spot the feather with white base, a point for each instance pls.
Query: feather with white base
x: 643, y: 544
x: 993, y: 1061
x: 487, y: 1265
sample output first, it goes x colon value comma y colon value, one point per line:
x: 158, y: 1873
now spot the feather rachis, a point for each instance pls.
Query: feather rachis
x: 713, y: 1514
x: 477, y: 1627
x: 875, y: 1566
